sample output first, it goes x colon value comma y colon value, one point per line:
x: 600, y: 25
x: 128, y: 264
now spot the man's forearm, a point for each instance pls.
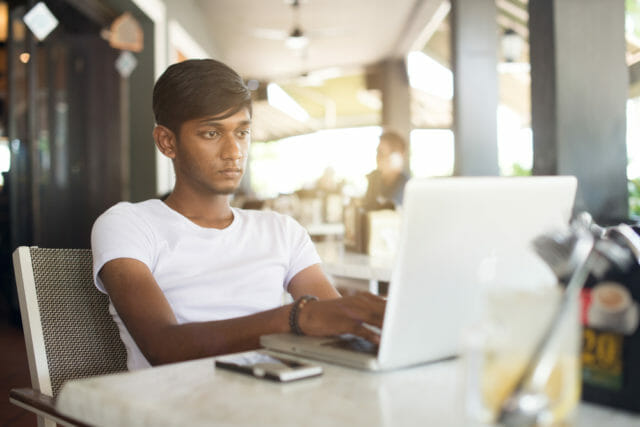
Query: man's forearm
x: 173, y: 343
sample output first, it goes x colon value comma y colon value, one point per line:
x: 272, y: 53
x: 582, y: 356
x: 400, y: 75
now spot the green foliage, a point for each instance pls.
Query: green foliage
x: 518, y: 170
x: 633, y: 14
x: 634, y: 197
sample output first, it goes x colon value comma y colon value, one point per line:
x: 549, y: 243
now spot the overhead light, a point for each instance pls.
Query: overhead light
x: 278, y: 98
x: 512, y: 45
x: 296, y: 40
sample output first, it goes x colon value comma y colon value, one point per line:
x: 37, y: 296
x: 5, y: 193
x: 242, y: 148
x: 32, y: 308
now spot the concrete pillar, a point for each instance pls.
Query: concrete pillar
x: 579, y: 86
x: 396, y: 96
x: 475, y: 78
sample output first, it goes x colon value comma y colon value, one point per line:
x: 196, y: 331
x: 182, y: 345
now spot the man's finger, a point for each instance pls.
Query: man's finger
x: 366, y: 332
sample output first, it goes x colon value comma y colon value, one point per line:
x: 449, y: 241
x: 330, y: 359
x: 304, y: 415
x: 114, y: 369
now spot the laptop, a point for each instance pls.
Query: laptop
x: 458, y: 236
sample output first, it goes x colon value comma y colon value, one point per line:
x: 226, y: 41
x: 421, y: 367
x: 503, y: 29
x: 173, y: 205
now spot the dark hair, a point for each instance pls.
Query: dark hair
x: 198, y: 88
x: 394, y: 140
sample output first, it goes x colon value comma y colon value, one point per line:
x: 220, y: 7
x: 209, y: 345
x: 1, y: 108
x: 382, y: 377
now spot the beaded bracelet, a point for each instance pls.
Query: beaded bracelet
x: 295, y: 312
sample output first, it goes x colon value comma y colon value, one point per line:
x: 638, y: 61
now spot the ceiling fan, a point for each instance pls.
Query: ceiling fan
x: 296, y: 38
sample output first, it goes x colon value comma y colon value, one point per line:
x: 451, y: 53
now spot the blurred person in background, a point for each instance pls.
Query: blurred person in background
x: 386, y: 183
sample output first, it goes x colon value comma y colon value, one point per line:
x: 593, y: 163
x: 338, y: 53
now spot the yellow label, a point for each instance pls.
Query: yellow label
x: 602, y: 358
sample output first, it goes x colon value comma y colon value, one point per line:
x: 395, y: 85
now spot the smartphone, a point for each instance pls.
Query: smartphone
x: 268, y: 366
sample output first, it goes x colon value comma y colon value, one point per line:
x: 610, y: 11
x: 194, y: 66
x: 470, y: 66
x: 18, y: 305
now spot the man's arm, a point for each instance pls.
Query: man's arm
x: 151, y: 322
x: 312, y: 281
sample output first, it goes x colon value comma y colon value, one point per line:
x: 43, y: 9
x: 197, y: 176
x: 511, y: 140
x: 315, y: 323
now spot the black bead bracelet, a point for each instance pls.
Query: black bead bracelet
x: 295, y: 312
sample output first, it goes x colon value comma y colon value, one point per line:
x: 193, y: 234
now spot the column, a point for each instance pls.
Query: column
x: 579, y: 85
x: 475, y: 78
x: 396, y: 96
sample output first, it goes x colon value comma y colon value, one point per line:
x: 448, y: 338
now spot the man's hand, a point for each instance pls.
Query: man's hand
x: 344, y: 315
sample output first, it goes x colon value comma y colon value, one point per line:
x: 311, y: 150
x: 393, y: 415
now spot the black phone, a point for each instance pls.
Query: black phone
x: 268, y: 366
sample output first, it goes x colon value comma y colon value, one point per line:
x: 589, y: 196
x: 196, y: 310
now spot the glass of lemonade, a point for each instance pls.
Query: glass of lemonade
x: 500, y: 345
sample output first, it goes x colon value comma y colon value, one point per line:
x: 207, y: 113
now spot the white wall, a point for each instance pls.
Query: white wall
x: 188, y: 29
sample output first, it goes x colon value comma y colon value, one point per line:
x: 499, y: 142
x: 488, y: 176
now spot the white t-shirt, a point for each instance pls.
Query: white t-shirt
x: 205, y: 273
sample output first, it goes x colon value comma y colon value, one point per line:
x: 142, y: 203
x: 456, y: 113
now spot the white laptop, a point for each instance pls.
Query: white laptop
x: 458, y: 235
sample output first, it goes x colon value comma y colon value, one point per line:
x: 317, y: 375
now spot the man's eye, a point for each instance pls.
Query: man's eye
x: 211, y: 134
x: 245, y: 132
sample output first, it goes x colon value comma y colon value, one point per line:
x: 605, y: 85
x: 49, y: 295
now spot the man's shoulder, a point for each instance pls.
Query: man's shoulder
x: 139, y: 214
x: 130, y: 208
x: 125, y: 220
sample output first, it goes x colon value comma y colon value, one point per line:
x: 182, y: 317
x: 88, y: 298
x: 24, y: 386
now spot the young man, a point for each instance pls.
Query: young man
x: 386, y: 184
x: 190, y: 276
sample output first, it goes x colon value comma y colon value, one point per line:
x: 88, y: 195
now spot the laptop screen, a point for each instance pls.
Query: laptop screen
x: 459, y: 235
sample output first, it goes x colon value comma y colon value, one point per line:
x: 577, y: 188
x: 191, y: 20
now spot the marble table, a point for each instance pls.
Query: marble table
x: 197, y: 394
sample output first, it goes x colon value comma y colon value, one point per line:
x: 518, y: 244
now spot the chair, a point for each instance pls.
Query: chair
x: 68, y: 330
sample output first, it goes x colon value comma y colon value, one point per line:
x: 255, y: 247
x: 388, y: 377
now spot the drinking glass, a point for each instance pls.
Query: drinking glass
x: 500, y: 344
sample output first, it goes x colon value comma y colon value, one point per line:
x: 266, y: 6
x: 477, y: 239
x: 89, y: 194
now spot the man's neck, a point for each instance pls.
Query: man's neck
x: 389, y: 177
x: 210, y: 212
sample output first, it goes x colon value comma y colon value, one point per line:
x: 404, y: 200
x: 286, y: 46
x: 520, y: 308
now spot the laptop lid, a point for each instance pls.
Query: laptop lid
x: 458, y: 235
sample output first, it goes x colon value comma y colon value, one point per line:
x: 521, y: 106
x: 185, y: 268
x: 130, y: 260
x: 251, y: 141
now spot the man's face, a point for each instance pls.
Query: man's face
x: 388, y: 161
x: 211, y: 154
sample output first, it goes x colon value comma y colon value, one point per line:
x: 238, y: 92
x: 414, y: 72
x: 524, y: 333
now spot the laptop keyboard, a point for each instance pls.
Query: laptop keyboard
x: 354, y: 343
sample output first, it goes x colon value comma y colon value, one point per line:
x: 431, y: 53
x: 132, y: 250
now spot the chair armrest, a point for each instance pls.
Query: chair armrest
x: 41, y: 405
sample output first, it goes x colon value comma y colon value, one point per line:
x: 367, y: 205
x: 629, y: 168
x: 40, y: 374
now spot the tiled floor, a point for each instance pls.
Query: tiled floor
x: 14, y: 372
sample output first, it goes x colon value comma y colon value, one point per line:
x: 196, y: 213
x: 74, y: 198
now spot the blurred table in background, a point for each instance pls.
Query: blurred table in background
x: 353, y: 270
x: 325, y: 231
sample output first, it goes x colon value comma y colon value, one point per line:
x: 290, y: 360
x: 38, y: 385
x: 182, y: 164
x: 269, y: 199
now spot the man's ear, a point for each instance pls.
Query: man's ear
x: 165, y: 140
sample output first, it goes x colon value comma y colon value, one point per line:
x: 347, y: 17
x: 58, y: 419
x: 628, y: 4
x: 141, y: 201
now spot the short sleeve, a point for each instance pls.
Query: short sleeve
x: 303, y: 253
x: 120, y: 232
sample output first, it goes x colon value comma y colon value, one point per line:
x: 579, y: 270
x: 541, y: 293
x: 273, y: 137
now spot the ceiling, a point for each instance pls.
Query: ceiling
x: 327, y: 77
x: 343, y: 33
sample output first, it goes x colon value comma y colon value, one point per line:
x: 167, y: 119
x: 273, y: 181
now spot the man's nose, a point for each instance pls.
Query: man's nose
x: 232, y: 148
